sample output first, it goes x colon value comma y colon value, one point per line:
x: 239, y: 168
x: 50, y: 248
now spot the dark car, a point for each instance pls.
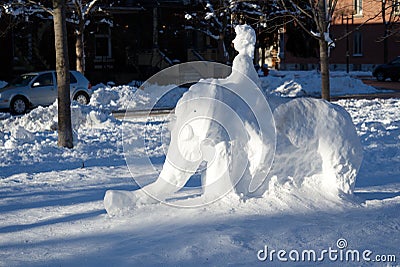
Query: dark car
x: 390, y: 70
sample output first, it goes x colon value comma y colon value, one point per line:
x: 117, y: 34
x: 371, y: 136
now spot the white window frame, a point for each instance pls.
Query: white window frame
x: 396, y: 7
x: 358, y: 7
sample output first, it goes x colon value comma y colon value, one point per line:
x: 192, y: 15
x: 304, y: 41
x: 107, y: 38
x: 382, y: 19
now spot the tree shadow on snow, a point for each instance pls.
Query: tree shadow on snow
x: 52, y: 221
x: 10, y: 170
x: 21, y: 201
x: 196, y: 241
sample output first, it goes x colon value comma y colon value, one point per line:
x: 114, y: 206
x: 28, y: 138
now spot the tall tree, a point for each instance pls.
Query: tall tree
x: 217, y: 19
x: 77, y: 13
x: 80, y: 11
x: 65, y: 138
x: 320, y: 12
x: 390, y: 10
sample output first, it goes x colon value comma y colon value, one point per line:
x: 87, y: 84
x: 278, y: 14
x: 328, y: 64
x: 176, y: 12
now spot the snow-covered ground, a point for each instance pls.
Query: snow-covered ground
x: 51, y: 198
x: 308, y: 83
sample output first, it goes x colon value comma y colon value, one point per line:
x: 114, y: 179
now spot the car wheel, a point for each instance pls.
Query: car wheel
x: 19, y: 105
x: 82, y: 98
x: 380, y: 76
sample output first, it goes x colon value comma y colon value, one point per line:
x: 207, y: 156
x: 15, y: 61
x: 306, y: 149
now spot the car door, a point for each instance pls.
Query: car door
x: 394, y: 69
x: 43, y: 89
x: 73, y: 83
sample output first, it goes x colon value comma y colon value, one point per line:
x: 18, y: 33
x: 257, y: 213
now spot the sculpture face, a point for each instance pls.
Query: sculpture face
x: 245, y: 40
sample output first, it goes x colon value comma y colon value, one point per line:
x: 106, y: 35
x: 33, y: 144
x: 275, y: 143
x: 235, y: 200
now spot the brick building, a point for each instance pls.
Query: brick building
x: 135, y: 39
x: 364, y: 46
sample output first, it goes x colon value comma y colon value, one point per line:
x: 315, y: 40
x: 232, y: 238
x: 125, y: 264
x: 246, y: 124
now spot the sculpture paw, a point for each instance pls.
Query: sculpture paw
x: 116, y: 201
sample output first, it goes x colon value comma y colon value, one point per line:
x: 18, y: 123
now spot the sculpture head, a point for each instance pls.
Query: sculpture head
x: 245, y: 40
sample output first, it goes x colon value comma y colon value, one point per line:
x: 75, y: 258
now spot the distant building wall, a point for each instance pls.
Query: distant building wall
x: 363, y: 49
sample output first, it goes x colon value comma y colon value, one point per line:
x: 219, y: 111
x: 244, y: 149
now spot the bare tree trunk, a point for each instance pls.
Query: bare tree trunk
x: 385, y: 46
x: 155, y: 27
x: 322, y: 23
x: 222, y: 53
x: 324, y: 64
x: 79, y: 49
x: 62, y: 68
x: 385, y: 34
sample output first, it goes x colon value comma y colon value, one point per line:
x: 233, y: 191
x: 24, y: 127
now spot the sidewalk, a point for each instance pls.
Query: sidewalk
x: 368, y: 96
x: 387, y: 85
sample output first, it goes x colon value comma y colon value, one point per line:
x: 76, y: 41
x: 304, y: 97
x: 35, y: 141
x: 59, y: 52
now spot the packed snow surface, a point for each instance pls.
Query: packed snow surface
x: 51, y: 198
x: 308, y: 83
x: 52, y: 201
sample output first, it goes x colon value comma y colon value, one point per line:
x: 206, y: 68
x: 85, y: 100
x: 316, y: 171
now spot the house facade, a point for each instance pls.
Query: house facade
x: 128, y: 41
x: 137, y: 38
x: 358, y: 30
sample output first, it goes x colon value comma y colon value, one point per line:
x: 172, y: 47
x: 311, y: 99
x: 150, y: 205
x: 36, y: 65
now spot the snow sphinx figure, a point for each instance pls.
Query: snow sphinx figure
x: 246, y: 145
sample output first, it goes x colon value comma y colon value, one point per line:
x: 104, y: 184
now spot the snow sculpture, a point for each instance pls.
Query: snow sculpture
x: 218, y: 121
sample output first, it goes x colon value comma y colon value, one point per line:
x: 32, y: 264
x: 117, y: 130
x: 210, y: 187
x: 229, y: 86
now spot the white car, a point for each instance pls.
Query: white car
x: 40, y: 89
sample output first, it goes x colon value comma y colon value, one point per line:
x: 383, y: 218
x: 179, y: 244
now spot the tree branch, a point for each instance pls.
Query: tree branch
x: 89, y: 8
x: 48, y: 10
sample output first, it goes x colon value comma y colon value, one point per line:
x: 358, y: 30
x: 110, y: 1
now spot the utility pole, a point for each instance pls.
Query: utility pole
x: 347, y: 41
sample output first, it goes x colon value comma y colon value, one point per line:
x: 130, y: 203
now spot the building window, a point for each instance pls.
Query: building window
x: 357, y: 7
x: 396, y: 7
x: 102, y: 46
x: 103, y: 42
x: 357, y: 44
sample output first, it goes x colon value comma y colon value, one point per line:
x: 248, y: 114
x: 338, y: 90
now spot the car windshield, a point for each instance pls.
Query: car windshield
x: 22, y: 80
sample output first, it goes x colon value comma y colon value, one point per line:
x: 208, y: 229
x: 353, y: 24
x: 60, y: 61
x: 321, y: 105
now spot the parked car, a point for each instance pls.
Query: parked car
x: 390, y: 70
x: 40, y: 89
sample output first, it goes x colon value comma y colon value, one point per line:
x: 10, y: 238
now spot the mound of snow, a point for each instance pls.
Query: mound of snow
x: 147, y: 97
x: 4, y: 115
x: 17, y: 130
x: 317, y: 146
x: 18, y: 136
x: 116, y: 98
x: 301, y: 83
x: 38, y: 120
x: 90, y: 117
x: 290, y: 89
x: 46, y: 118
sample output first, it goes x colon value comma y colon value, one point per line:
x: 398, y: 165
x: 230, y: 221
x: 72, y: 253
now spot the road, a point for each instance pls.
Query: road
x: 386, y: 85
x: 140, y: 113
